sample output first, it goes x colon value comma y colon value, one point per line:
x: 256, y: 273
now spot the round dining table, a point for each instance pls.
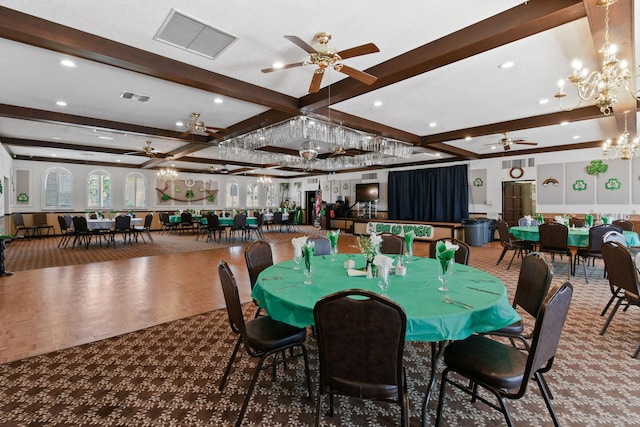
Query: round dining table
x: 480, y: 299
x: 577, y: 237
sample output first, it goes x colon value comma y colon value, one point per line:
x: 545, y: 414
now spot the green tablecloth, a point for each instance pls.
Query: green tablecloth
x: 228, y: 222
x: 279, y: 290
x: 578, y: 237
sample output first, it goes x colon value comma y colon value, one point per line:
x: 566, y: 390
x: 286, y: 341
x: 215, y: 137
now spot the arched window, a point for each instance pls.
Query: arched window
x: 272, y: 196
x: 253, y: 195
x: 233, y: 194
x: 134, y: 190
x: 57, y: 189
x: 99, y: 190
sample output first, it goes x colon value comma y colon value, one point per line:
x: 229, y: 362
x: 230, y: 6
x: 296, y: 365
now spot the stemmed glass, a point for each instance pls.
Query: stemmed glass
x: 297, y: 258
x: 334, y: 251
x: 409, y: 254
x: 383, y: 280
x: 445, y: 269
x: 308, y: 271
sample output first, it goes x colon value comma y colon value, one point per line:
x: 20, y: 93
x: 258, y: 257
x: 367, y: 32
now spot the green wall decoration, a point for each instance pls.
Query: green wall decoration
x: 579, y: 185
x: 613, y: 184
x: 23, y: 198
x: 596, y: 167
x: 478, y: 182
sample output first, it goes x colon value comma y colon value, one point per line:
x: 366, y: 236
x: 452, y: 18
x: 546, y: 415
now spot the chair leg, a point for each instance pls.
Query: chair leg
x: 613, y: 312
x: 635, y: 353
x: 514, y: 255
x: 247, y: 398
x: 613, y: 297
x: 504, y: 251
x: 546, y: 395
x: 223, y: 381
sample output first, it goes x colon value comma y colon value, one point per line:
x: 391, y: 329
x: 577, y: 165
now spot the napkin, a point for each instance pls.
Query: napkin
x: 383, y: 261
x: 445, y: 250
x: 353, y: 272
x: 528, y: 219
x: 307, y: 252
x: 298, y: 243
x: 408, y: 239
x: 332, y: 235
x: 588, y: 220
x: 540, y: 218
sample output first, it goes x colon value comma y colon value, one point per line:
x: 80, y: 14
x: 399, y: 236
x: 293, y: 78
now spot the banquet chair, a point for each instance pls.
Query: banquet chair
x: 167, y: 225
x: 256, y: 228
x: 213, y: 226
x: 82, y: 234
x: 623, y: 224
x: 509, y: 243
x: 322, y: 245
x: 613, y: 236
x: 360, y: 349
x: 522, y: 222
x: 392, y: 244
x: 622, y: 273
x: 18, y: 223
x: 553, y: 240
x: 258, y: 256
x: 576, y: 222
x: 503, y: 370
x: 186, y: 222
x: 277, y: 220
x: 462, y: 254
x: 239, y: 225
x: 40, y: 223
x: 65, y: 231
x: 534, y: 280
x: 123, y: 227
x: 145, y: 228
x: 264, y: 338
x: 595, y: 245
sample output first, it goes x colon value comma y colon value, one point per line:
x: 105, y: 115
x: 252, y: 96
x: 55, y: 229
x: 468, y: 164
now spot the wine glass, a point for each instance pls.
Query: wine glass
x: 383, y: 280
x: 445, y: 269
x: 308, y: 271
x: 334, y: 251
x: 409, y: 254
x: 297, y: 258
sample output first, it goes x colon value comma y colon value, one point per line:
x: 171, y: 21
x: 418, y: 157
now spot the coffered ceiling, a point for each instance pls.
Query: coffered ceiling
x: 440, y: 86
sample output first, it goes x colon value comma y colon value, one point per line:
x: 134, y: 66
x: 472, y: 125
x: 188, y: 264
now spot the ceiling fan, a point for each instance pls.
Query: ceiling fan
x: 196, y: 125
x: 324, y: 55
x: 338, y: 150
x: 148, y: 150
x: 507, y: 142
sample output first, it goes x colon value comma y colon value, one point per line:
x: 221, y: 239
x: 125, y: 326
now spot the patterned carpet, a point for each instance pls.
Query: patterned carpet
x: 168, y: 375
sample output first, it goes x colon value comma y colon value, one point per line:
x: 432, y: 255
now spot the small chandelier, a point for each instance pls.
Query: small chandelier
x: 264, y: 180
x: 167, y: 174
x: 625, y: 147
x: 600, y: 86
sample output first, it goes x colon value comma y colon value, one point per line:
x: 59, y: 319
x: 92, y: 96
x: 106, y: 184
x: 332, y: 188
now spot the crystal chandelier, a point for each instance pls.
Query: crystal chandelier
x: 602, y: 86
x: 167, y: 174
x: 264, y: 180
x: 625, y: 147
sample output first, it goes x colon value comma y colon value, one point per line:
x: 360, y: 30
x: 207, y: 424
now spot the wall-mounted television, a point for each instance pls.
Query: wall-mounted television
x: 367, y: 192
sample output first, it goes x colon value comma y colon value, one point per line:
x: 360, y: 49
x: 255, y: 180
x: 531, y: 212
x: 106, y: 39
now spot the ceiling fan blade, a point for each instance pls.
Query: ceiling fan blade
x: 301, y: 44
x: 364, y: 49
x: 184, y: 134
x: 365, y: 78
x: 269, y: 70
x: 213, y: 134
x: 217, y: 128
x: 315, y: 81
x: 525, y: 143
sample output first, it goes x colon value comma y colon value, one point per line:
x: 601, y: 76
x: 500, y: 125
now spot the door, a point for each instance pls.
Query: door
x: 310, y: 208
x: 518, y: 200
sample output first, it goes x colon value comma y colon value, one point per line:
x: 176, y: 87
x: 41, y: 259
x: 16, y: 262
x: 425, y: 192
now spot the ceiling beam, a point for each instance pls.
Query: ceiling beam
x: 45, y: 34
x: 506, y: 27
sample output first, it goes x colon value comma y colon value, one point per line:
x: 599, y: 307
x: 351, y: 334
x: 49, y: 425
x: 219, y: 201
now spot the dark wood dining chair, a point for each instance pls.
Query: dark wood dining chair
x: 40, y: 223
x: 145, y: 228
x: 66, y: 232
x: 392, y: 244
x: 623, y: 224
x: 273, y: 343
x: 322, y: 245
x: 257, y: 256
x: 20, y: 226
x: 593, y: 251
x: 503, y: 370
x: 554, y: 241
x: 509, y: 243
x: 360, y: 349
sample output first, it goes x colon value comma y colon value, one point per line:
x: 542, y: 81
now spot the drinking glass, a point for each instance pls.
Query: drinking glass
x: 445, y: 269
x: 383, y: 280
x: 297, y: 258
x: 308, y: 272
x: 409, y: 254
x: 334, y: 252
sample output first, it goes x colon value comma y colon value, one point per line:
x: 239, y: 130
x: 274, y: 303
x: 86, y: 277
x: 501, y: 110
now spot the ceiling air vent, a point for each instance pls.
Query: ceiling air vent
x: 190, y: 34
x: 134, y: 96
x: 372, y: 175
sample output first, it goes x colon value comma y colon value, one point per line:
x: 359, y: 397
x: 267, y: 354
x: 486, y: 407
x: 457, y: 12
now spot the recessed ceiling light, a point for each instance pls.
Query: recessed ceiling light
x: 467, y: 138
x: 506, y: 64
x: 576, y: 136
x: 377, y: 104
x: 278, y: 65
x: 56, y: 137
x: 68, y: 63
x: 53, y: 155
x: 117, y: 160
x: 564, y: 123
x: 217, y: 100
x: 493, y: 147
x: 432, y: 124
x: 543, y: 101
x: 179, y: 124
x: 61, y: 103
x: 106, y: 138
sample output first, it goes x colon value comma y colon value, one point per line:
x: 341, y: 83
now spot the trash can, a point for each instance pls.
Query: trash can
x: 475, y: 231
x: 491, y: 229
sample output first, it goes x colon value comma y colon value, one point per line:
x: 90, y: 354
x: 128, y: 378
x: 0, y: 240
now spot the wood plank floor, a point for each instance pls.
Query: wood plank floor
x: 59, y: 307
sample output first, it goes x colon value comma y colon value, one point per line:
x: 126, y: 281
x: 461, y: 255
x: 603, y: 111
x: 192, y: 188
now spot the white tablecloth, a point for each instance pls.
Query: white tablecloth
x: 108, y: 224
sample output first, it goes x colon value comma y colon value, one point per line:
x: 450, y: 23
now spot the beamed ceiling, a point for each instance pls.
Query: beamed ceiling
x: 438, y: 79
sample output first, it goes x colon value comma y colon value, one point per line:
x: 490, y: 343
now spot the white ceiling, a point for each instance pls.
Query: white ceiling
x: 464, y: 94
